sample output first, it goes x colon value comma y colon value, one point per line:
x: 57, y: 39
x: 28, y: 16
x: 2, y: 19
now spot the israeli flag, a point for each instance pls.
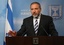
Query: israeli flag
x: 9, y: 18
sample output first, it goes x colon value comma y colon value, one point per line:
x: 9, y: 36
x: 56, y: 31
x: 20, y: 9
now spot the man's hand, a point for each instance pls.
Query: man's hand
x: 12, y: 33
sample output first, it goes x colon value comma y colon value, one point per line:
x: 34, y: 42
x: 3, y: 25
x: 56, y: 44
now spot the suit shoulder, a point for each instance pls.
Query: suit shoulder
x: 46, y: 16
x: 28, y: 18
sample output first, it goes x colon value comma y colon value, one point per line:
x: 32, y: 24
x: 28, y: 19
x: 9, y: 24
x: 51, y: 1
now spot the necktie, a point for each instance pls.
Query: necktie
x: 36, y: 26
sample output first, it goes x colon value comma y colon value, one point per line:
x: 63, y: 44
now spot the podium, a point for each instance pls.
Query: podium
x: 29, y: 40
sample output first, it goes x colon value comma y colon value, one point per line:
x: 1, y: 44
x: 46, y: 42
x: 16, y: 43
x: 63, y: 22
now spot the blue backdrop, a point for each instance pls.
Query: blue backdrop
x: 2, y: 19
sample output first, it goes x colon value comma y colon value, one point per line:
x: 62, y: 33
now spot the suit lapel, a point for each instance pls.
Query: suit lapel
x: 41, y: 20
x: 31, y: 26
x: 40, y: 24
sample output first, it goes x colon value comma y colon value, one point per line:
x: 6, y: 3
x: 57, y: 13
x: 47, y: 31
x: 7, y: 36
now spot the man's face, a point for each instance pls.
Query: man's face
x: 35, y: 10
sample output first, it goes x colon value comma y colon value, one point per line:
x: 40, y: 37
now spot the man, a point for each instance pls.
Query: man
x: 37, y: 24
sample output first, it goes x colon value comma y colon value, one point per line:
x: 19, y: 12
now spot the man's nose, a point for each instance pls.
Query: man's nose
x: 34, y: 11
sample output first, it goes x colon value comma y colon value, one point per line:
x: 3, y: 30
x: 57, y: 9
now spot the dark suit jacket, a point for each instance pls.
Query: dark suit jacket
x: 46, y: 27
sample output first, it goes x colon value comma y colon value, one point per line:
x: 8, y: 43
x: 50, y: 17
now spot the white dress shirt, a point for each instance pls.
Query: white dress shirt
x: 38, y: 19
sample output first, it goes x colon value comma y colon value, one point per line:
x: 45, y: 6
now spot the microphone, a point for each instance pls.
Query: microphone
x: 24, y: 33
x: 45, y: 31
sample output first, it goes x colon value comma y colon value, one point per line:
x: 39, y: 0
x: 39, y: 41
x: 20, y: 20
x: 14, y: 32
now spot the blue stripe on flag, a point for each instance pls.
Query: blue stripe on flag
x: 10, y: 16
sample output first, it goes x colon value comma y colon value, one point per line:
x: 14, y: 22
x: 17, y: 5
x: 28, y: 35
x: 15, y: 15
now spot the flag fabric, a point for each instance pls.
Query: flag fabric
x: 9, y: 19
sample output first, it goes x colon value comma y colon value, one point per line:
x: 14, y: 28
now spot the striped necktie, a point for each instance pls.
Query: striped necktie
x: 36, y: 26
